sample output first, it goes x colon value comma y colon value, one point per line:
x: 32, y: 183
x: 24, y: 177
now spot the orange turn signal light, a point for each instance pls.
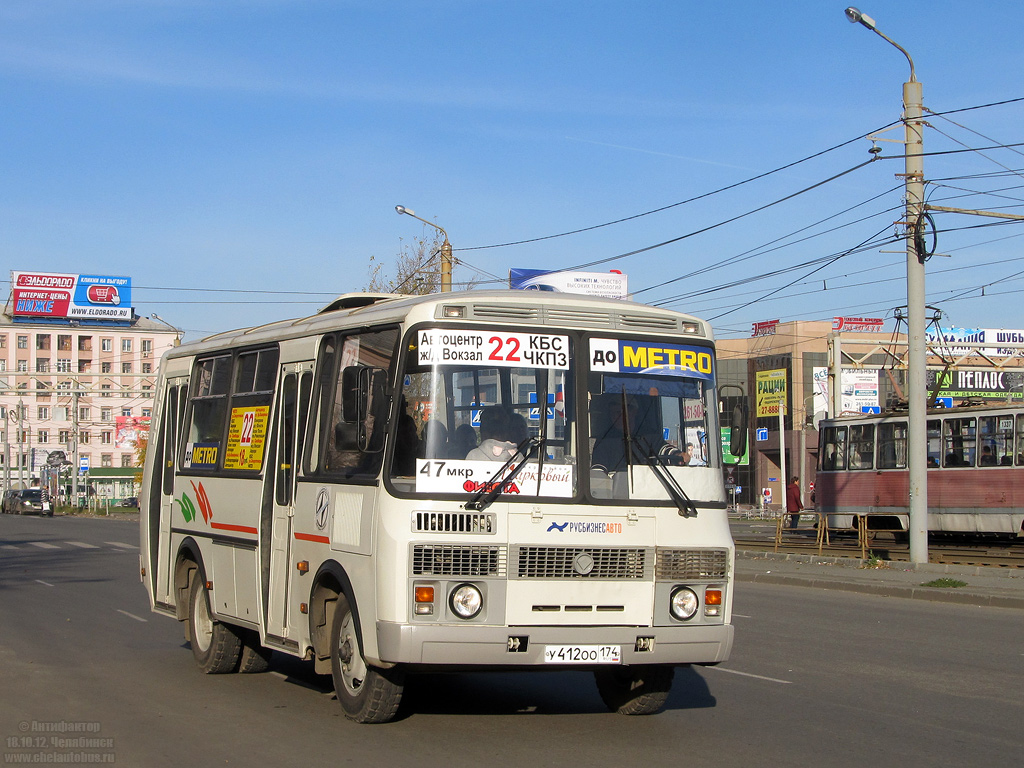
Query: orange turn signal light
x: 712, y: 597
x: 424, y: 594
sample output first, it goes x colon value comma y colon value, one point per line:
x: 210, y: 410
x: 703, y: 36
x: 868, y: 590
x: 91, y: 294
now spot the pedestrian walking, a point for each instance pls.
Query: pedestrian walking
x: 793, y: 505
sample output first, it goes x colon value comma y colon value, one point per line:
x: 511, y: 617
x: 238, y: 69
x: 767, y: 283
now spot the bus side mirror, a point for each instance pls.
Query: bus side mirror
x: 738, y: 431
x: 371, y: 405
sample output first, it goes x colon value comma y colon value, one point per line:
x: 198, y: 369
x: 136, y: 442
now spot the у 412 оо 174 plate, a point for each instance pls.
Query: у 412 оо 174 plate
x: 583, y: 654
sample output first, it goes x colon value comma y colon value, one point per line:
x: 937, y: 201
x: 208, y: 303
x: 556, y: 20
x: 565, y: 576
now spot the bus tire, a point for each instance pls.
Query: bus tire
x: 634, y: 690
x: 366, y: 694
x: 215, y: 645
x: 255, y: 657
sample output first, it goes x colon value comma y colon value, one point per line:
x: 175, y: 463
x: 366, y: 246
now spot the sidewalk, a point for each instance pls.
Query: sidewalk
x: 994, y: 587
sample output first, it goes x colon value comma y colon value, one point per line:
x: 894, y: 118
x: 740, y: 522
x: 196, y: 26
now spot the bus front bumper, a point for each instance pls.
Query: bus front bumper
x: 489, y: 646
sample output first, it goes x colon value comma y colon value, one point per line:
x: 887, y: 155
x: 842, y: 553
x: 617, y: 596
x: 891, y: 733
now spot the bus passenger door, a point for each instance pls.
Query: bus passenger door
x: 293, y: 405
x: 167, y: 445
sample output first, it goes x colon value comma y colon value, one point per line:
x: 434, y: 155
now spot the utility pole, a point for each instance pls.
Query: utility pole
x: 917, y: 389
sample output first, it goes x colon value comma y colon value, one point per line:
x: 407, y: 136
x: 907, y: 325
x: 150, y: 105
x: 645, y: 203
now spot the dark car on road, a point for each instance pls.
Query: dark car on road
x: 27, y: 502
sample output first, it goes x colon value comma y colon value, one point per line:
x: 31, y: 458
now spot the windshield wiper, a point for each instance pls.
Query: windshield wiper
x: 660, y: 469
x: 493, y: 487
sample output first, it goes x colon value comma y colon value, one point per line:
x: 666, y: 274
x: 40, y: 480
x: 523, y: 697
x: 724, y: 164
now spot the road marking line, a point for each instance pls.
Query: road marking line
x: 44, y: 545
x: 121, y: 545
x: 82, y: 544
x: 132, y: 616
x: 742, y: 616
x: 8, y: 546
x: 44, y: 583
x: 748, y: 674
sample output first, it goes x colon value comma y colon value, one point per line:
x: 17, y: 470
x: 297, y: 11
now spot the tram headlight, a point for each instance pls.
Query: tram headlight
x: 683, y: 603
x: 465, y: 601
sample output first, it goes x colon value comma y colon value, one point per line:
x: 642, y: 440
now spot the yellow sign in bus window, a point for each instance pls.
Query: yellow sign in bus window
x: 247, y: 436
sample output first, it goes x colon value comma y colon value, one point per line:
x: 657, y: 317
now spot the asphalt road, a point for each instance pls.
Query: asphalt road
x: 816, y: 678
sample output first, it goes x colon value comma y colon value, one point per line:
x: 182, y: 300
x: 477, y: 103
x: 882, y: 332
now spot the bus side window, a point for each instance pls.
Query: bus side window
x: 833, y: 454
x: 353, y: 402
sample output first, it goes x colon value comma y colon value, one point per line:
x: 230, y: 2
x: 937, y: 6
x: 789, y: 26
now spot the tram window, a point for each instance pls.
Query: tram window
x: 1020, y: 440
x: 934, y: 443
x: 995, y: 436
x: 833, y: 448
x: 892, y: 446
x: 959, y: 442
x: 862, y: 446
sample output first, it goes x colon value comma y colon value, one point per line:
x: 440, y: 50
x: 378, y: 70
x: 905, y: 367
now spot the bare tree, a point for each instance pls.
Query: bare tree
x: 417, y: 267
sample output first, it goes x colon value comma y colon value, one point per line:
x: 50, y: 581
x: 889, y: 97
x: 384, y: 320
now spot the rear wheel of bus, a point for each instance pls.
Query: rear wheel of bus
x: 216, y: 646
x: 634, y: 690
x: 366, y: 694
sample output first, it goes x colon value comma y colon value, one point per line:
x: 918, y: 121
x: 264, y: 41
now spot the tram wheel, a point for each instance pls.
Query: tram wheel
x: 634, y: 690
x: 366, y: 694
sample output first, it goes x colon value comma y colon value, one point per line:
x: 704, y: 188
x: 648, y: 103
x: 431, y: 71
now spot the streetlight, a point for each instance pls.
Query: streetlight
x: 917, y: 390
x: 446, y: 248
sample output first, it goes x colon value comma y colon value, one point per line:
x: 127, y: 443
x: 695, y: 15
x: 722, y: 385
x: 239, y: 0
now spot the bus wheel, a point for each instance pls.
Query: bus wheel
x: 366, y: 694
x: 216, y: 646
x: 634, y: 690
x: 255, y: 656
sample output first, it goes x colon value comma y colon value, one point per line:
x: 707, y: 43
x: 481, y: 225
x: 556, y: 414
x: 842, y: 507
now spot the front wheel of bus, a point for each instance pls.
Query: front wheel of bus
x: 216, y: 646
x: 366, y: 694
x: 634, y: 690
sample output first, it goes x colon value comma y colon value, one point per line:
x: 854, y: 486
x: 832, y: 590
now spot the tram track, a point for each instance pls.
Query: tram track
x: 1009, y: 555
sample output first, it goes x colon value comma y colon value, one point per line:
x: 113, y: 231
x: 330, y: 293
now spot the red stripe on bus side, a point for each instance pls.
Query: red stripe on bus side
x: 238, y: 528
x: 312, y: 537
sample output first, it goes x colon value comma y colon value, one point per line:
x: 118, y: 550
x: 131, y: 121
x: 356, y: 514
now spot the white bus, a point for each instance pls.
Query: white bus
x: 462, y: 481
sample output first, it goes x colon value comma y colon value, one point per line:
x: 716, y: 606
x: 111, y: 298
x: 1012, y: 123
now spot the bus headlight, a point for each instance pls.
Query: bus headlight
x: 466, y: 601
x: 683, y: 603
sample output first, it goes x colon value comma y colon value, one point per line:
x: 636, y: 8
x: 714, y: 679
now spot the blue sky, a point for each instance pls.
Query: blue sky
x: 256, y: 150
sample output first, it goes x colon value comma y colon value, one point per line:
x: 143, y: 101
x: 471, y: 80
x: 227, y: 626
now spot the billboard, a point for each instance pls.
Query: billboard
x: 75, y: 297
x: 610, y: 285
x: 771, y: 391
x: 129, y: 430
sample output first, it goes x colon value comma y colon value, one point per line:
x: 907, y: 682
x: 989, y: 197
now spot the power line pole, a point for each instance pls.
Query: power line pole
x: 917, y: 389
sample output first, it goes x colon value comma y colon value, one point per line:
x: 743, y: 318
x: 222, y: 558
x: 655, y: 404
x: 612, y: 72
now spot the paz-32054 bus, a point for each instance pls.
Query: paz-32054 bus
x: 481, y: 480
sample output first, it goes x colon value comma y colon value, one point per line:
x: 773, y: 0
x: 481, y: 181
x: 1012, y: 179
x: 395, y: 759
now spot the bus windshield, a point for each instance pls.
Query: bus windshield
x: 468, y: 413
x: 652, y: 417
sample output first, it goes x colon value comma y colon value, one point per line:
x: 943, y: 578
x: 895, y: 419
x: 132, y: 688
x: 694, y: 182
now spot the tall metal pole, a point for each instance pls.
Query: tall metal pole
x: 917, y: 390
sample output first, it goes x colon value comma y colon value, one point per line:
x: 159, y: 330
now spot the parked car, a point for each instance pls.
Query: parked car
x: 131, y: 501
x: 9, y: 502
x: 29, y: 502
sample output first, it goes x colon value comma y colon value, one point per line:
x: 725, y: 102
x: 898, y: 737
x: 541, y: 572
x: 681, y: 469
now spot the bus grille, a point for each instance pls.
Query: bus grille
x: 454, y: 522
x: 456, y: 560
x: 581, y: 563
x: 692, y: 564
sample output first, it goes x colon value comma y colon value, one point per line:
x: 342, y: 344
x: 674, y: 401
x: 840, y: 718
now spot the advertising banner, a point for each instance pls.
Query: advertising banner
x: 771, y: 391
x: 84, y: 297
x: 859, y: 390
x: 952, y: 339
x: 128, y: 431
x: 610, y: 285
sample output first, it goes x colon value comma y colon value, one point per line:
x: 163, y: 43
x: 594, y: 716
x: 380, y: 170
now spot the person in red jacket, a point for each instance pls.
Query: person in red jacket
x: 793, y: 505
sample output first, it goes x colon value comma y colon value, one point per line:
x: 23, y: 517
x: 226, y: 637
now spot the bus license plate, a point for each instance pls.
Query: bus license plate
x: 583, y: 654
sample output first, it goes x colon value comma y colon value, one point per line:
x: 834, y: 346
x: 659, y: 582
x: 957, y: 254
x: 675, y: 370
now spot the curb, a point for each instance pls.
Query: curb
x: 956, y: 596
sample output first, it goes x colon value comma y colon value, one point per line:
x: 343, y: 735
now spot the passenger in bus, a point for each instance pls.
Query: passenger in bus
x: 987, y: 459
x: 434, y: 443
x: 518, y: 431
x: 407, y: 446
x: 932, y: 461
x: 462, y: 441
x: 494, y: 431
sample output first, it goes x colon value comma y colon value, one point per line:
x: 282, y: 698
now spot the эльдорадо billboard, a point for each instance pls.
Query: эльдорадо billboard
x: 81, y: 297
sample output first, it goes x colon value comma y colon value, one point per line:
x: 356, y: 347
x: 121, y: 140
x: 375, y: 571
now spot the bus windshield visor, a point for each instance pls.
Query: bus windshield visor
x: 468, y: 415
x: 652, y: 420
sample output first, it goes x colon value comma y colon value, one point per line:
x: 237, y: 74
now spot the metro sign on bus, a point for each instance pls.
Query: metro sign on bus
x: 84, y: 297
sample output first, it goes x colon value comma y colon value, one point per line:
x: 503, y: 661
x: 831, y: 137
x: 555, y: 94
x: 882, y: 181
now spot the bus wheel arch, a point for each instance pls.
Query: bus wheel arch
x: 330, y: 582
